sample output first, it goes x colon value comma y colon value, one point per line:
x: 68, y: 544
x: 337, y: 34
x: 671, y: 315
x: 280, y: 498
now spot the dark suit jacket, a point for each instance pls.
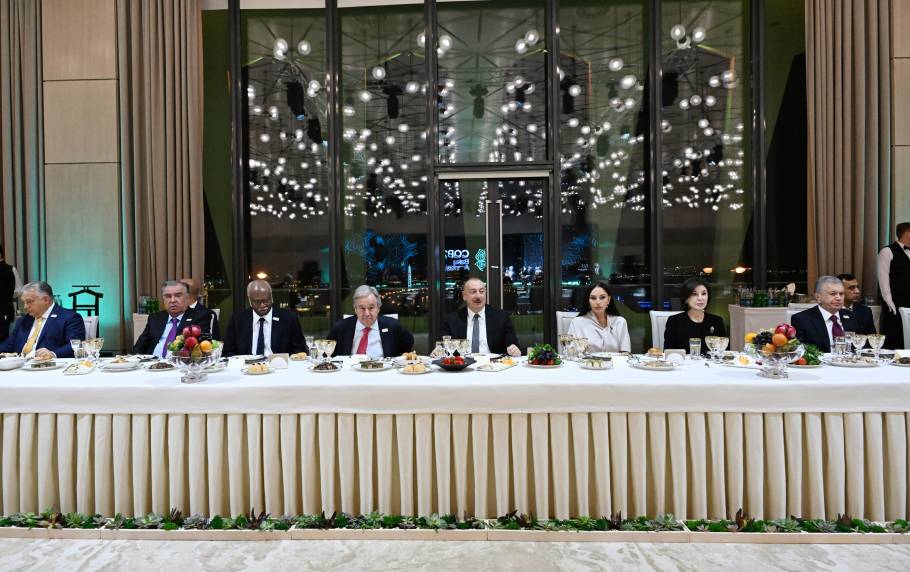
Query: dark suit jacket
x: 500, y: 332
x: 61, y: 326
x: 287, y: 336
x: 157, y: 322
x: 811, y: 327
x: 864, y: 318
x: 396, y: 339
x: 216, y: 327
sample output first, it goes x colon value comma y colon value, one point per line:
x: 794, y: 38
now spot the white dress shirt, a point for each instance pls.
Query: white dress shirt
x: 374, y: 342
x: 885, y: 256
x: 826, y: 316
x: 167, y: 330
x: 484, y: 347
x: 612, y: 338
x: 266, y: 331
x: 44, y: 317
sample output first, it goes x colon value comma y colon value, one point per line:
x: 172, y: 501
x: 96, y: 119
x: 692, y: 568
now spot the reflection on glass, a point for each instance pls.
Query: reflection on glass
x: 602, y: 129
x: 287, y: 172
x: 707, y: 209
x: 494, y: 231
x: 492, y: 81
x: 383, y: 86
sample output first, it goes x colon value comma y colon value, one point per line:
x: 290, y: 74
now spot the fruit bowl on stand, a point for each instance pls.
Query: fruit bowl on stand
x: 193, y: 356
x: 776, y: 349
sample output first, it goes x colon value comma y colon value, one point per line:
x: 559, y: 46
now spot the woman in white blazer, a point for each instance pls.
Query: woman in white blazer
x: 600, y: 322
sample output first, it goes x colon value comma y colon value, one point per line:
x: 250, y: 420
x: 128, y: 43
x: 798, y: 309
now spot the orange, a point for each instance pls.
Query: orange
x: 205, y: 346
x: 768, y: 348
x: 779, y: 339
x: 750, y: 337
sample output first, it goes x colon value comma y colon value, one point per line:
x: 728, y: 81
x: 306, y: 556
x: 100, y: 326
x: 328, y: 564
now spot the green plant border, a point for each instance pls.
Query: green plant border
x: 263, y: 521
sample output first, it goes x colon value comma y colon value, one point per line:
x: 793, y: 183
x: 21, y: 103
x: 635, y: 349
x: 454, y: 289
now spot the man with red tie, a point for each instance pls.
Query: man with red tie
x: 366, y: 332
x: 821, y: 324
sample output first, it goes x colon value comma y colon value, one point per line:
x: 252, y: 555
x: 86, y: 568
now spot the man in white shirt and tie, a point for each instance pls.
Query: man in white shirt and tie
x: 368, y: 333
x: 263, y: 329
x: 487, y: 329
x: 894, y: 284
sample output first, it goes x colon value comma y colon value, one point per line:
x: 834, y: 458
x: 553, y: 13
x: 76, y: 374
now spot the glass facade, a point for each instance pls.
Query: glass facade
x: 540, y: 161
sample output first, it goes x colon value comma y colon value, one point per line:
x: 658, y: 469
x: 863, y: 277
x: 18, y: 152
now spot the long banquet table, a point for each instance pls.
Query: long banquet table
x: 697, y: 442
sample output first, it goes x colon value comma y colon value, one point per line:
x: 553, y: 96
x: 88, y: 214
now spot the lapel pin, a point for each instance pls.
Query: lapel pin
x: 384, y: 330
x: 53, y: 315
x: 275, y: 318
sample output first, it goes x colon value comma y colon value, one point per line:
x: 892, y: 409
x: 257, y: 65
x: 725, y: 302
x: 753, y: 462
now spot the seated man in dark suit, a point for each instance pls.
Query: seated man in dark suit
x: 820, y: 325
x: 193, y: 285
x: 162, y: 327
x: 46, y: 330
x: 490, y: 330
x: 263, y: 329
x: 853, y: 297
x: 369, y: 333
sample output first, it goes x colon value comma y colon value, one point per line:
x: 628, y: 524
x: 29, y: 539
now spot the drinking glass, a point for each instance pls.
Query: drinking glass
x: 564, y: 341
x: 711, y: 342
x: 439, y: 350
x: 876, y: 341
x: 859, y: 342
x: 848, y: 339
x: 694, y: 348
x: 77, y: 348
x: 840, y: 345
x: 580, y: 346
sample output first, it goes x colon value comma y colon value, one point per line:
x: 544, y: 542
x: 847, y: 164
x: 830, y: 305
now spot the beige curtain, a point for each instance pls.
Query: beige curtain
x: 21, y: 143
x: 161, y: 126
x: 850, y: 200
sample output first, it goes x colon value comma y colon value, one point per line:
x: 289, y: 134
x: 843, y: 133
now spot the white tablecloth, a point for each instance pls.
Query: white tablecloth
x: 699, y: 442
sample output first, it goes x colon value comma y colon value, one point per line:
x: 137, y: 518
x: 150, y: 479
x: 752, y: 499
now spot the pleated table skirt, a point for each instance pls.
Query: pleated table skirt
x: 694, y: 465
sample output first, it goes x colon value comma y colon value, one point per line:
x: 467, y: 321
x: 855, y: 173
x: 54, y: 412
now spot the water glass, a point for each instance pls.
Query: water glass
x: 439, y: 351
x: 77, y: 348
x: 840, y: 345
x: 848, y: 339
x: 694, y: 348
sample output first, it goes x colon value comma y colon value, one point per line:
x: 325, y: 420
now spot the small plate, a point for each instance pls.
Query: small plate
x: 246, y: 371
x: 216, y: 367
x: 424, y: 372
x: 592, y: 368
x: 10, y: 363
x: 149, y: 367
x: 554, y: 366
x: 128, y: 366
x: 645, y: 367
x: 807, y: 366
x: 460, y: 367
x: 494, y: 366
x: 76, y: 368
x: 294, y: 357
x: 314, y: 370
x: 385, y: 366
x: 850, y: 364
x: 894, y: 363
x: 420, y: 359
x: 30, y: 367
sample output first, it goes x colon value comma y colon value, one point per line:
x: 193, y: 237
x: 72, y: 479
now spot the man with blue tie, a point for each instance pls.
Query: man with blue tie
x: 46, y: 329
x: 162, y: 327
x: 263, y: 329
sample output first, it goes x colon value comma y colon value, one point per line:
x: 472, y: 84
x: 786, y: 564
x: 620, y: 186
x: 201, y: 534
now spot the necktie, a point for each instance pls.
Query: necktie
x: 170, y: 336
x: 475, y: 335
x: 33, y: 337
x: 260, y: 345
x: 364, y: 340
x: 836, y: 329
x: 907, y: 248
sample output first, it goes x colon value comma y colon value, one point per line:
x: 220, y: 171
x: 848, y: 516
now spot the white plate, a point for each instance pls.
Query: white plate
x: 586, y: 366
x: 420, y: 359
x: 554, y: 366
x: 314, y: 370
x: 128, y: 366
x: 9, y: 363
x: 900, y: 364
x: 215, y: 367
x: 246, y: 371
x: 850, y: 364
x: 653, y: 368
x: 424, y: 372
x: 78, y: 371
x: 813, y: 366
x: 385, y: 366
x: 28, y: 367
x: 494, y: 367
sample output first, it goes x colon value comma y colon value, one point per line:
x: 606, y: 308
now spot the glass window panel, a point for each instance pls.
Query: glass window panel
x: 287, y: 173
x: 492, y: 81
x: 603, y: 132
x: 384, y: 156
x: 706, y: 145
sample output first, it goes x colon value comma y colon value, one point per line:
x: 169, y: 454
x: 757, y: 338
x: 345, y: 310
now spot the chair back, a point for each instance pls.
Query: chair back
x: 563, y: 319
x: 659, y: 324
x: 393, y: 316
x: 905, y: 322
x: 91, y: 326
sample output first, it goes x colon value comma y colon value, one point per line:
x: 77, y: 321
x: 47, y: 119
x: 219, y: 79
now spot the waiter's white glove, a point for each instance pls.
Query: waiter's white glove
x: 891, y: 306
x: 513, y: 350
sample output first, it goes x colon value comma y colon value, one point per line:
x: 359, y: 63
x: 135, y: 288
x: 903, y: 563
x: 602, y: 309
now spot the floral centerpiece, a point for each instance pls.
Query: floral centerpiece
x: 777, y: 348
x: 193, y: 354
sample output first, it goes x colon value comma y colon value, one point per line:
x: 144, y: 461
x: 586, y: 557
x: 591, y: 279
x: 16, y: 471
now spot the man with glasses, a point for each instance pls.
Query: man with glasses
x: 264, y: 329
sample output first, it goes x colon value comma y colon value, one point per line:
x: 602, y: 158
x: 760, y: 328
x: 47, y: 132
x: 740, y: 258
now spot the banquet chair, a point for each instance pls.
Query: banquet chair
x: 563, y: 319
x: 659, y: 324
x: 393, y: 316
x: 905, y: 322
x: 91, y: 326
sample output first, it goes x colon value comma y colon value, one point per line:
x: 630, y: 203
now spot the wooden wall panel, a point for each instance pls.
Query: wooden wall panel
x: 901, y: 95
x: 79, y: 39
x: 80, y: 121
x: 900, y: 24
x: 83, y: 236
x: 902, y: 183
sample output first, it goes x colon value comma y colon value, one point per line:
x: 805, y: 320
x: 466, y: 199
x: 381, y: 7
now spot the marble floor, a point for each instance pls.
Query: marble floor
x: 440, y: 556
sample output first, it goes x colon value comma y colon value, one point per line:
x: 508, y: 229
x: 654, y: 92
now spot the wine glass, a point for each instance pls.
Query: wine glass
x: 564, y: 341
x: 711, y: 342
x: 722, y: 343
x: 876, y: 341
x: 859, y: 342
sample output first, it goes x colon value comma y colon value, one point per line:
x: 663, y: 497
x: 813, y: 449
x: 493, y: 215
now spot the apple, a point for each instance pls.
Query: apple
x: 187, y: 332
x: 791, y: 332
x: 190, y: 343
x: 781, y: 329
x: 196, y: 331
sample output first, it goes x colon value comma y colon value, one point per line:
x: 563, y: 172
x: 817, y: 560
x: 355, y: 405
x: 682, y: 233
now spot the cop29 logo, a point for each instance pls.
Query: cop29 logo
x: 456, y: 254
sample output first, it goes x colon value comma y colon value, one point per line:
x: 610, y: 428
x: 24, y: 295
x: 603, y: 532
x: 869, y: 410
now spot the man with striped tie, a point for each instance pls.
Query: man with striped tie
x: 46, y: 329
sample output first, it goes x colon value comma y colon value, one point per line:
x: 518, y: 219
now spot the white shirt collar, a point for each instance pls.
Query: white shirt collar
x: 193, y: 305
x: 482, y: 313
x: 47, y: 312
x: 826, y: 315
x: 268, y: 317
x: 373, y: 328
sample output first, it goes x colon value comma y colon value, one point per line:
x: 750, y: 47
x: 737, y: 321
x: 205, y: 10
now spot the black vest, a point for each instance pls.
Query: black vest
x: 899, y: 276
x: 7, y: 288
